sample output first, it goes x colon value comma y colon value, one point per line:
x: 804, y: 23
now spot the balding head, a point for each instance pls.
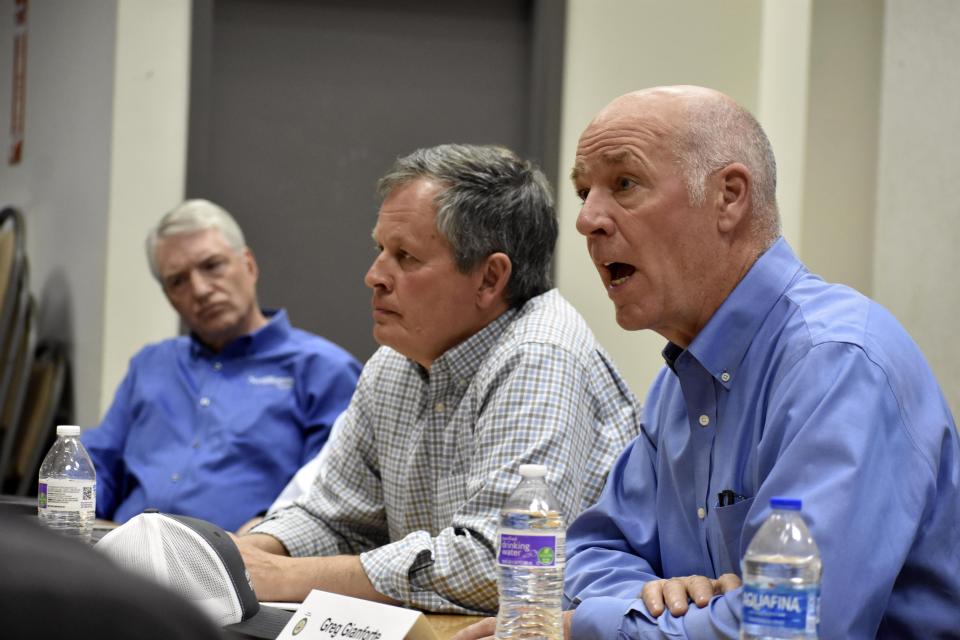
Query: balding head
x: 705, y: 130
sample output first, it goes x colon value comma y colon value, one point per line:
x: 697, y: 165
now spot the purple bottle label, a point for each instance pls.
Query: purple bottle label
x: 527, y: 551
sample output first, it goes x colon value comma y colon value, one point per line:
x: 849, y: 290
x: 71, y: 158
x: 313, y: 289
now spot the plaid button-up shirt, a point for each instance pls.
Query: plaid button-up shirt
x: 416, y: 477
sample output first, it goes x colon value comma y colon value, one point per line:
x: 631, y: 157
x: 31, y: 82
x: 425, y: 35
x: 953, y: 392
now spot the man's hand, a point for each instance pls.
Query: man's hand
x: 266, y: 560
x: 277, y: 576
x: 675, y: 593
x: 482, y: 630
x: 486, y: 628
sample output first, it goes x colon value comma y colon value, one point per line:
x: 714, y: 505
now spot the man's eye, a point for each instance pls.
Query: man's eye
x: 214, y: 265
x: 406, y: 260
x: 175, y: 282
x: 624, y: 184
x: 582, y: 194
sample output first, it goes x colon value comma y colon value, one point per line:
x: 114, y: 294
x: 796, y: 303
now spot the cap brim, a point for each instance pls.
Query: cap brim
x: 267, y: 623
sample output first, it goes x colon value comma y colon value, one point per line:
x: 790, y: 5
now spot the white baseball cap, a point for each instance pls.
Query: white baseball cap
x: 198, y: 560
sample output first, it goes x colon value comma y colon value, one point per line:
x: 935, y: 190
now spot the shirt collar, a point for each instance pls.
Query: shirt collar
x: 274, y: 332
x: 722, y: 343
x: 462, y: 361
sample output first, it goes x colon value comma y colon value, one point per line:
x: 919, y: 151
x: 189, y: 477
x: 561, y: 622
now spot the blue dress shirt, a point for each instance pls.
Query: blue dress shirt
x: 217, y: 435
x: 798, y: 388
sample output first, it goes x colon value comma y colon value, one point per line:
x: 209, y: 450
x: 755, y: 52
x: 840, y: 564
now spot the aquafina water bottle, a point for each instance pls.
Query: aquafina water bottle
x: 781, y: 578
x: 530, y: 559
x: 67, y: 491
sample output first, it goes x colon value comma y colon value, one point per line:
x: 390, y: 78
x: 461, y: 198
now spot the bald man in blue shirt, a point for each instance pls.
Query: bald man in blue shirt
x: 776, y: 384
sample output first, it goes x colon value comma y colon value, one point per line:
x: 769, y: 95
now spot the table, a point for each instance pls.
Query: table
x: 446, y: 625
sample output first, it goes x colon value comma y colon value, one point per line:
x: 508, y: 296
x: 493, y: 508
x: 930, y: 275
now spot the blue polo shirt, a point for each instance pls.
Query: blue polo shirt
x: 217, y: 435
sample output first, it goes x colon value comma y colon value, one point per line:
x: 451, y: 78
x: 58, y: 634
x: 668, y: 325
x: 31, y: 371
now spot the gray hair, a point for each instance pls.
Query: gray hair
x: 716, y: 133
x: 189, y: 217
x: 492, y: 201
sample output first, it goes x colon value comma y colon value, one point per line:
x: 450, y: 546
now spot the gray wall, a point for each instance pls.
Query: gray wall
x: 63, y: 184
x: 104, y: 156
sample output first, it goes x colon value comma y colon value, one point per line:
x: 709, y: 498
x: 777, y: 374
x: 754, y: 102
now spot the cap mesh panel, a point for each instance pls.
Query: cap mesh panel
x: 191, y: 567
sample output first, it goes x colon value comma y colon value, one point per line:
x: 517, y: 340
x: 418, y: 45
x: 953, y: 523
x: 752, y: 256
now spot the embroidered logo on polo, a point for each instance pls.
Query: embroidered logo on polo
x: 280, y: 382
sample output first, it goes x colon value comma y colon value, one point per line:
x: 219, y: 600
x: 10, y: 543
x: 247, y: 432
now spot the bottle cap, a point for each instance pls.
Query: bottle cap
x: 790, y: 504
x: 533, y: 470
x: 68, y: 430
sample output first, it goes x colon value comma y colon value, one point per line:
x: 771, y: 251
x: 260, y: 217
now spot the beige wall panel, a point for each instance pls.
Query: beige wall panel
x: 616, y: 46
x: 918, y: 184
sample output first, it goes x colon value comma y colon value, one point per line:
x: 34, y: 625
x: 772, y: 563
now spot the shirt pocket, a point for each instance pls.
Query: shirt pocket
x: 730, y: 529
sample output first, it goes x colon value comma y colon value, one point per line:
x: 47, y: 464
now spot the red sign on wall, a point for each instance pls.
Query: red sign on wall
x: 19, y: 94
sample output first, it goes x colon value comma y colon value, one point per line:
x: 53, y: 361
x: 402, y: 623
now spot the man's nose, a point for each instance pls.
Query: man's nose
x: 199, y: 285
x: 377, y: 274
x: 593, y: 218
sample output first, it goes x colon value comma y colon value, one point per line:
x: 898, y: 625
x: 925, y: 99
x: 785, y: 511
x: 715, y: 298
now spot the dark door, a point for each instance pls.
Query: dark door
x: 298, y: 106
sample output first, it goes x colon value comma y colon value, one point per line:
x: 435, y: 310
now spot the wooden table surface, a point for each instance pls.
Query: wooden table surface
x: 447, y: 625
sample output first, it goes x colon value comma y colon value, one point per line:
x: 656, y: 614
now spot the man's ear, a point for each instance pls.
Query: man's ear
x: 250, y: 262
x: 732, y: 196
x: 495, y: 274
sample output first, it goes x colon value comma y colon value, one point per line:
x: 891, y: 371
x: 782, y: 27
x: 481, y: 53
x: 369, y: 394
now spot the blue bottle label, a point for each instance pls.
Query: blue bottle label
x: 780, y: 607
x: 527, y: 551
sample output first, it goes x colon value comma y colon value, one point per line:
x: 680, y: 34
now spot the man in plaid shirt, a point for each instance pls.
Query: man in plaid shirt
x: 483, y: 367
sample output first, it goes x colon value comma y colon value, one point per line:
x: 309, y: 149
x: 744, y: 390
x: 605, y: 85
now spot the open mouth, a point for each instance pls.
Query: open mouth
x: 619, y: 272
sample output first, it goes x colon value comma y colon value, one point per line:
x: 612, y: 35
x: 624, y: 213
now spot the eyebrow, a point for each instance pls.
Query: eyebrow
x: 395, y: 237
x: 610, y: 158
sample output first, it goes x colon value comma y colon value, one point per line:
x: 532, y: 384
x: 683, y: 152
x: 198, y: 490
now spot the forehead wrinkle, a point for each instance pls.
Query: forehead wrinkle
x: 185, y: 258
x: 612, y: 158
x: 615, y: 141
x: 402, y: 234
x: 620, y: 153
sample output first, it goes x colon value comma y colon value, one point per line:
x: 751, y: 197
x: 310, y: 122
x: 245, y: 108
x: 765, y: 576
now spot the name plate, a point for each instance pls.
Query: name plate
x: 330, y: 616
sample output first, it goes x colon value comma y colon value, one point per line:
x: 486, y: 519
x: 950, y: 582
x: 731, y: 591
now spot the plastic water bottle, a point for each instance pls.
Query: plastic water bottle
x: 530, y: 559
x: 781, y: 578
x: 67, y: 492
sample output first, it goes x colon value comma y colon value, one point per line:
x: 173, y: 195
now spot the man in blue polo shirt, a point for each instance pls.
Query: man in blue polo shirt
x: 213, y: 425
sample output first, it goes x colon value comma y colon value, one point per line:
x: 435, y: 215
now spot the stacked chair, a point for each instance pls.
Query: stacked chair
x: 31, y: 375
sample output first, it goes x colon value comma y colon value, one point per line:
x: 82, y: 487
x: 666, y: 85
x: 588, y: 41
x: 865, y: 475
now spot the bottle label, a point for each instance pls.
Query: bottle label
x: 67, y: 495
x: 780, y: 607
x: 527, y: 551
